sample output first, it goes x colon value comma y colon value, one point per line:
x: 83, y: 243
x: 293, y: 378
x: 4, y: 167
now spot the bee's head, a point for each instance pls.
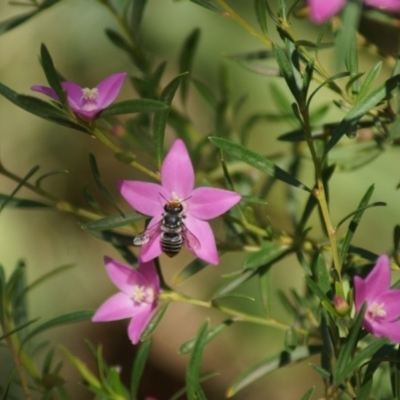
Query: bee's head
x: 173, y: 207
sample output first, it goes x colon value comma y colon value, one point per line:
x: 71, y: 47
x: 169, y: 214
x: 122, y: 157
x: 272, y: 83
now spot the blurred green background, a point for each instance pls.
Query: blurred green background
x: 73, y: 31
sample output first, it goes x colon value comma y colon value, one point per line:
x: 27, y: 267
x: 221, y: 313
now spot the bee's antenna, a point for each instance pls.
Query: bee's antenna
x: 163, y: 197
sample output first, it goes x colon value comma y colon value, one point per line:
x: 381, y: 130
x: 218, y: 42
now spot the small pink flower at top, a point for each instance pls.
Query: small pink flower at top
x: 322, y: 10
x: 87, y: 102
x: 383, y: 312
x: 176, y: 203
x: 137, y: 299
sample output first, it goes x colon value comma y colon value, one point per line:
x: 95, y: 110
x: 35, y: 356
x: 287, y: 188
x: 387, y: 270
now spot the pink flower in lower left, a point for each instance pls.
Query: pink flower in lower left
x: 137, y: 299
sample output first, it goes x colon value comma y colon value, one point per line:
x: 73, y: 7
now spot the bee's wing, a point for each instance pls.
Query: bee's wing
x: 146, y: 235
x: 191, y: 241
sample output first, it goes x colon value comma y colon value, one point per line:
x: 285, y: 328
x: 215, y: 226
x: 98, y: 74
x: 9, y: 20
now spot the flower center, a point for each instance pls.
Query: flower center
x: 88, y: 99
x: 143, y: 294
x: 376, y: 311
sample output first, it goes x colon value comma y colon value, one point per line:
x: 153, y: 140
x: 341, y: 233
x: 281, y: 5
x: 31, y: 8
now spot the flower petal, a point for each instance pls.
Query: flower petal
x: 109, y: 89
x: 119, y: 306
x: 378, y: 280
x: 149, y: 272
x: 139, y: 323
x: 388, y: 5
x: 322, y: 10
x: 390, y: 301
x: 123, y: 277
x: 202, y: 230
x: 144, y: 197
x: 360, y: 293
x: 390, y: 330
x: 152, y: 249
x: 46, y: 90
x: 206, y: 203
x: 177, y: 173
x: 74, y: 95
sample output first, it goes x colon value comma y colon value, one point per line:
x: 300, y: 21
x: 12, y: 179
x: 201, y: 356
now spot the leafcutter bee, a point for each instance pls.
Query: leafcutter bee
x: 173, y: 231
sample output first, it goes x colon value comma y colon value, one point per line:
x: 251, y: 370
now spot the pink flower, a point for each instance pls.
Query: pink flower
x: 382, y: 314
x: 137, y: 299
x: 87, y: 102
x: 177, y: 187
x: 322, y: 10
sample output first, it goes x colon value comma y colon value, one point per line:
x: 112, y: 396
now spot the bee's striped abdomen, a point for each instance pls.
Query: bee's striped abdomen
x: 171, y: 243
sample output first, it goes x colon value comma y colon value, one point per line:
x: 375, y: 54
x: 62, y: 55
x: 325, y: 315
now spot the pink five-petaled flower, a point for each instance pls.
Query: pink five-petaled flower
x: 137, y: 299
x: 87, y: 102
x: 322, y: 10
x: 177, y: 184
x: 382, y: 313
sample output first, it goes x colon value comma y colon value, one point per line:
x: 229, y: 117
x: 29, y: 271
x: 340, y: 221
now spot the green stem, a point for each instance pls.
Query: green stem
x: 104, y: 139
x: 230, y: 13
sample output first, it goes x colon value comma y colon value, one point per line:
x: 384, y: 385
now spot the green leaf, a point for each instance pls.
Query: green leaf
x: 205, y: 92
x: 100, y: 184
x: 191, y: 269
x: 349, y: 346
x: 267, y: 366
x: 354, y: 222
x: 287, y: 71
x: 208, y: 4
x: 359, y: 359
x: 20, y: 203
x: 155, y: 320
x: 15, y: 21
x: 188, y: 346
x: 194, y: 366
x: 161, y: 117
x: 31, y: 172
x: 308, y: 394
x: 235, y: 282
x: 112, y: 222
x: 52, y: 76
x: 322, y: 275
x: 321, y: 371
x: 138, y: 368
x: 369, y: 80
x: 18, y: 328
x: 186, y: 60
x: 138, y: 7
x: 8, y: 382
x: 291, y: 340
x: 361, y: 108
x: 269, y: 253
x: 256, y: 161
x: 133, y: 106
x: 261, y: 14
x: 65, y: 319
x: 38, y: 182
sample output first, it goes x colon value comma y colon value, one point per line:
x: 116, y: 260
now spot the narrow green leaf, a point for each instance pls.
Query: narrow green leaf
x: 138, y: 368
x: 20, y: 203
x: 186, y: 60
x: 52, y: 76
x: 308, y: 394
x: 209, y: 5
x: 155, y: 320
x: 38, y: 107
x: 256, y: 161
x: 354, y: 222
x: 18, y: 328
x: 126, y: 157
x: 316, y: 289
x: 8, y: 382
x: 191, y: 269
x: 48, y: 361
x: 188, y: 346
x: 235, y: 282
x: 115, y: 221
x: 267, y: 366
x: 359, y: 359
x: 321, y: 371
x: 349, y: 346
x: 361, y: 108
x: 100, y: 184
x: 205, y: 92
x: 307, y: 77
x: 178, y: 395
x: 38, y: 182
x: 194, y: 366
x: 65, y: 319
x: 369, y: 80
x: 269, y: 253
x: 291, y: 340
x: 286, y: 69
x: 133, y: 106
x: 254, y: 200
x: 31, y: 172
x: 137, y: 11
x: 322, y: 275
x: 161, y: 117
x: 261, y: 14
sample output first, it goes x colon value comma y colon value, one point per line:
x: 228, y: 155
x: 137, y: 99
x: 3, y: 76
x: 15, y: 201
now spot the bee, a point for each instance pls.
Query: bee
x: 173, y: 231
